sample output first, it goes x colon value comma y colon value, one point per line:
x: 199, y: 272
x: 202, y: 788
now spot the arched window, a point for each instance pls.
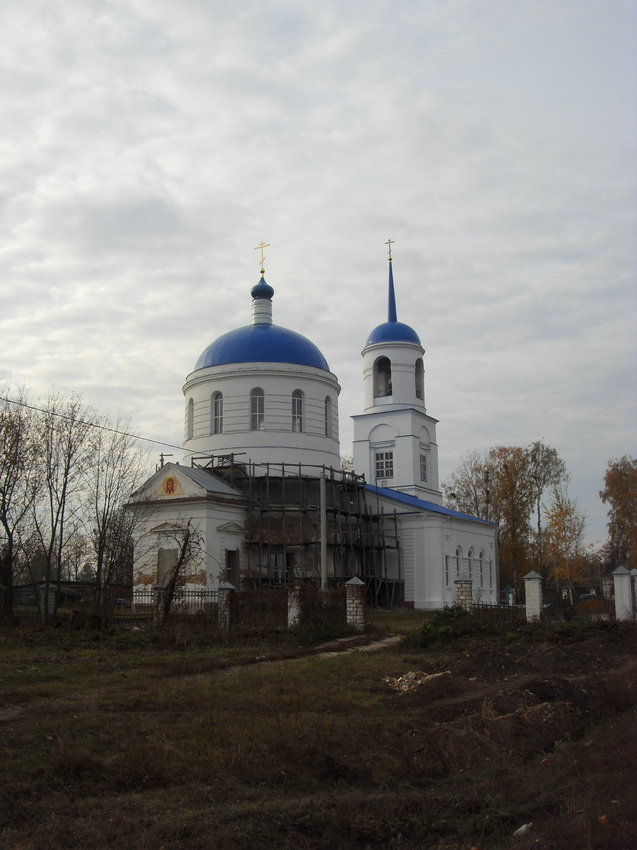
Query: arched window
x: 481, y: 562
x: 297, y: 410
x: 257, y: 409
x: 382, y: 377
x: 190, y: 419
x: 328, y: 416
x: 420, y: 379
x: 216, y: 414
x: 458, y: 561
x: 470, y: 557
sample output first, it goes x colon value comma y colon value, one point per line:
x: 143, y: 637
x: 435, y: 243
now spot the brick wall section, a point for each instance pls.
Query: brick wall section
x: 463, y: 593
x: 355, y: 604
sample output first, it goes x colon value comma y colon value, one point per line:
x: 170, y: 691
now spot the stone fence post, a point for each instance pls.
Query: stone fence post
x: 294, y: 605
x: 355, y: 603
x: 624, y: 597
x: 463, y: 592
x: 533, y: 592
x: 46, y: 601
x: 224, y: 609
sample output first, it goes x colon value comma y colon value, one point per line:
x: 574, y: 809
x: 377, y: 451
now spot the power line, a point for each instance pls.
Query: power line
x: 91, y: 424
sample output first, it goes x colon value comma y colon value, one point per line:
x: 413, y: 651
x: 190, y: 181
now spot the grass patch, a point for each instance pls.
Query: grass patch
x: 141, y: 745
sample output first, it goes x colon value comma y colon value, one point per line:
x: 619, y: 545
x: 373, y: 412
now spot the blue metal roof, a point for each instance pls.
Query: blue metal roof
x: 392, y: 330
x: 421, y: 504
x: 262, y: 343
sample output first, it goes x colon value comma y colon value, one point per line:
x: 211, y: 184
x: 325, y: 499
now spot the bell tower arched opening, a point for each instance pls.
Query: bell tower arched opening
x: 382, y: 377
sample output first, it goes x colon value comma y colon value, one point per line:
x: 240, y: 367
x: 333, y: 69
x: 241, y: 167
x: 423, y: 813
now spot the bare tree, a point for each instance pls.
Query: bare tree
x: 468, y: 488
x: 546, y: 470
x: 67, y: 448
x: 19, y: 483
x: 118, y: 468
x: 188, y: 554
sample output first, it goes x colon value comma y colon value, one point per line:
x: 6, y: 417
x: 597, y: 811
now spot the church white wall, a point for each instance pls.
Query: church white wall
x: 408, y: 433
x: 428, y: 545
x: 205, y: 517
x: 277, y: 441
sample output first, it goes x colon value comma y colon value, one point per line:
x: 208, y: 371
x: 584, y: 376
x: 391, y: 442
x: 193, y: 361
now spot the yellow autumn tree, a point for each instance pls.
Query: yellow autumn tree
x: 620, y: 493
x: 564, y: 531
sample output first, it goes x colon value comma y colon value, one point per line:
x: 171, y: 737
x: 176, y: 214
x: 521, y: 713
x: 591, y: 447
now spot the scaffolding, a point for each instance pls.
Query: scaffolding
x: 283, y: 527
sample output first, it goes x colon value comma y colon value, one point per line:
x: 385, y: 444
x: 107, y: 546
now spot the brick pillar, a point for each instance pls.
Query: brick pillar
x: 533, y: 592
x: 355, y: 603
x: 463, y: 592
x: 624, y: 600
x: 294, y: 605
x: 224, y: 610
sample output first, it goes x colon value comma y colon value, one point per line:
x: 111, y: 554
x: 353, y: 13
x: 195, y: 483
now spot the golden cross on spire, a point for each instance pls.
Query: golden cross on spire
x: 389, y: 244
x: 260, y: 247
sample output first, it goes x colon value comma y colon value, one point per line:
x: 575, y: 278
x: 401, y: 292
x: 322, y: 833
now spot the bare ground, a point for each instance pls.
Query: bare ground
x: 537, y: 735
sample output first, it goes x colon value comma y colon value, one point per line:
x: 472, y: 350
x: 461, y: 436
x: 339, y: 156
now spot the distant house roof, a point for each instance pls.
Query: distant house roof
x: 421, y: 504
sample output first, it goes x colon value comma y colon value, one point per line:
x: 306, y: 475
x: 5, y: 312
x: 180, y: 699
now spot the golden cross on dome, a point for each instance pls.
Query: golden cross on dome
x: 260, y: 247
x: 389, y: 243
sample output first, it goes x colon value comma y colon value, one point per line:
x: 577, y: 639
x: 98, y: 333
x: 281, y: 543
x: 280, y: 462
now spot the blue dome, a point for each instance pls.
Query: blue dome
x: 262, y: 290
x: 262, y: 343
x: 393, y: 332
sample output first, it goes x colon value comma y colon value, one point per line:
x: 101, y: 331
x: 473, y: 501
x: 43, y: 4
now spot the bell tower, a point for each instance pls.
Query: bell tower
x: 394, y: 438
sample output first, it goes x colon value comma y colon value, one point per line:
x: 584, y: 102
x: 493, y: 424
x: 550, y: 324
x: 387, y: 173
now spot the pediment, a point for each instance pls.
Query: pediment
x: 232, y: 527
x: 169, y: 483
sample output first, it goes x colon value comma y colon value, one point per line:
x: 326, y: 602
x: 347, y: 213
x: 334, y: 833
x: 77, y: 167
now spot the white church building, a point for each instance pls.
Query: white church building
x: 261, y: 488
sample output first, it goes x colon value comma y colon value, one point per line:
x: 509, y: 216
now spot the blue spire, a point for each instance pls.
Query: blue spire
x: 391, y: 303
x: 392, y: 330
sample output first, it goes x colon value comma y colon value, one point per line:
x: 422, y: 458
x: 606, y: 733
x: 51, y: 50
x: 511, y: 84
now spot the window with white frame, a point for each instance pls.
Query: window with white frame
x: 384, y: 465
x: 257, y: 409
x: 297, y: 410
x: 217, y: 414
x: 423, y: 467
x: 328, y: 416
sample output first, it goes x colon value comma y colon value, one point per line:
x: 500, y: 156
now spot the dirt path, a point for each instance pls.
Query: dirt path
x: 333, y: 649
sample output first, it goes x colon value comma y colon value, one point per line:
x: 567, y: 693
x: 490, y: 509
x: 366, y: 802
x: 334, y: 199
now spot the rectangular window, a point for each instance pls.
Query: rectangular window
x: 423, y: 467
x: 384, y: 465
x: 257, y: 411
x: 279, y: 567
x: 218, y: 414
x: 446, y: 570
x: 297, y: 411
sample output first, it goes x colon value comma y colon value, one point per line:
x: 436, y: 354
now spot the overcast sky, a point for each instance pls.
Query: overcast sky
x: 148, y: 145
